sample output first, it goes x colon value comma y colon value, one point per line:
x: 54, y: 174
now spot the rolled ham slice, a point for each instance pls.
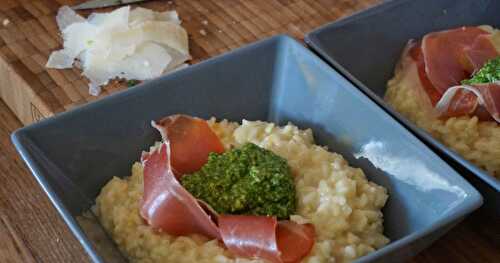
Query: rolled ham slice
x: 295, y: 241
x: 415, y: 51
x: 170, y: 208
x: 464, y: 99
x: 446, y: 64
x: 166, y: 205
x: 444, y: 59
x: 191, y: 140
x: 259, y: 233
x: 479, y: 52
x: 289, y: 243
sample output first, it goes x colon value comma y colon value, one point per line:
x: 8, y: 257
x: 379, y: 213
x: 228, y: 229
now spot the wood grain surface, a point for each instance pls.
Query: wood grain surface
x: 30, y: 228
x: 29, y: 33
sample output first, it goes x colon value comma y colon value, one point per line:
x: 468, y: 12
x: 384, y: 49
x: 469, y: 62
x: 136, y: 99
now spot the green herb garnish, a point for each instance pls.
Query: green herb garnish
x: 489, y: 73
x: 249, y: 180
x: 132, y: 82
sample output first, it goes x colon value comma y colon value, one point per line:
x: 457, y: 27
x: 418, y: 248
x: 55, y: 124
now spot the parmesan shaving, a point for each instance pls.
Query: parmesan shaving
x: 136, y: 44
x: 66, y: 16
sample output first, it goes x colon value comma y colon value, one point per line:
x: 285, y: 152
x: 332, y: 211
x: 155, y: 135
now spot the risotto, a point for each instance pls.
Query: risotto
x: 337, y: 199
x: 477, y: 141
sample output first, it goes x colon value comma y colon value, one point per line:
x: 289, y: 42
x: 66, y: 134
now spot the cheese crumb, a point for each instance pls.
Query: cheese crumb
x: 203, y: 32
x: 6, y: 22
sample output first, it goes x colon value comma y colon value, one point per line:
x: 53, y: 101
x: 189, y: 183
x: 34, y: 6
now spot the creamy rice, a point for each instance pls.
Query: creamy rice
x: 343, y: 205
x: 477, y: 141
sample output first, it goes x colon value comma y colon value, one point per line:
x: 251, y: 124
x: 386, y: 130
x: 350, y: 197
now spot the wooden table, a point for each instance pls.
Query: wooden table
x: 32, y: 231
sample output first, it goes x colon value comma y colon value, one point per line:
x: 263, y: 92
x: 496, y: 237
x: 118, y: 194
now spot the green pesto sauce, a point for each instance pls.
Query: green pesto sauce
x: 490, y: 72
x: 249, y: 180
x: 132, y: 82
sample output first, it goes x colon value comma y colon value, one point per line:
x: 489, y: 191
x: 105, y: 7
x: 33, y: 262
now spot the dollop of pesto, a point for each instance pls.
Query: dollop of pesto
x: 490, y: 72
x: 249, y: 180
x: 132, y: 82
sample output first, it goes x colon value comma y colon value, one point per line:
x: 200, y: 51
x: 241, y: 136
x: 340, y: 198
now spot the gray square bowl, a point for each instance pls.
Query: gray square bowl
x: 75, y: 153
x: 365, y: 48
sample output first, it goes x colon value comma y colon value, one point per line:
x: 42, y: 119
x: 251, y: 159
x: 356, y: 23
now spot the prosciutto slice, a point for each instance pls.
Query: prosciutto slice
x: 191, y: 140
x: 415, y: 51
x: 294, y: 240
x: 479, y: 52
x: 289, y: 243
x: 444, y: 59
x: 485, y: 95
x: 259, y: 233
x: 168, y: 207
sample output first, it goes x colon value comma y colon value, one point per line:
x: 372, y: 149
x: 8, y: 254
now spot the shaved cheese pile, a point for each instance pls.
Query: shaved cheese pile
x: 136, y: 44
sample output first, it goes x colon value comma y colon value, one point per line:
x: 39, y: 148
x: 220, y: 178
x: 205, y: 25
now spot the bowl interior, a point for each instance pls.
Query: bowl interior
x: 74, y: 154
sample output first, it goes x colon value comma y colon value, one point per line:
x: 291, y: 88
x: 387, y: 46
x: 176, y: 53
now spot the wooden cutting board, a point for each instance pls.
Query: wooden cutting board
x: 29, y: 33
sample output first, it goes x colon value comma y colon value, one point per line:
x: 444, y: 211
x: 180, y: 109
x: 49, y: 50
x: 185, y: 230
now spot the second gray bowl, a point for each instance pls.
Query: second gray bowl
x: 365, y: 48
